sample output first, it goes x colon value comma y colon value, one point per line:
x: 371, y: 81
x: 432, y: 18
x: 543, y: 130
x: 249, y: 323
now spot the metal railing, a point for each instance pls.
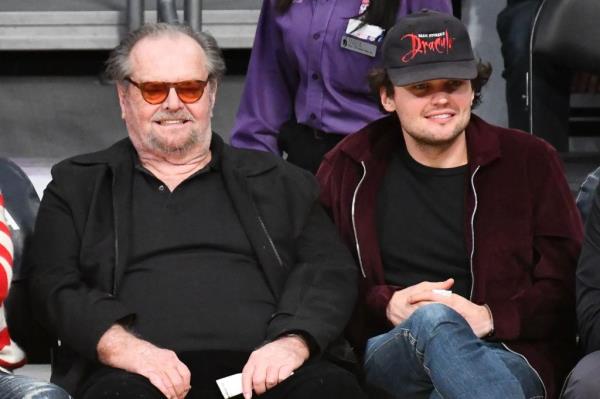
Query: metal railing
x: 166, y: 12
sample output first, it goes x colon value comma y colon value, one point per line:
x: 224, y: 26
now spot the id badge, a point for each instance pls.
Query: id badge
x: 361, y: 39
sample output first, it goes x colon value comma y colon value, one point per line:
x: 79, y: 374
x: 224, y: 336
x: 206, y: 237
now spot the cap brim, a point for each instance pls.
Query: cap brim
x: 440, y: 70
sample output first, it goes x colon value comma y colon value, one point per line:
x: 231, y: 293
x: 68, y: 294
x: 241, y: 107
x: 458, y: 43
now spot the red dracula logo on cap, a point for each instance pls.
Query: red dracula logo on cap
x: 423, y: 43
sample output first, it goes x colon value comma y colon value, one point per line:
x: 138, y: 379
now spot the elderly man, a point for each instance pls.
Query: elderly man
x: 170, y: 260
x: 466, y: 233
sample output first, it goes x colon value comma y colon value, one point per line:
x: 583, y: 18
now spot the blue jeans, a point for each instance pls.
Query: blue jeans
x: 435, y: 354
x: 22, y: 387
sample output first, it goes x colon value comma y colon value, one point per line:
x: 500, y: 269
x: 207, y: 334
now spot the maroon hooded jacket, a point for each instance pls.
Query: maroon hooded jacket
x: 522, y: 230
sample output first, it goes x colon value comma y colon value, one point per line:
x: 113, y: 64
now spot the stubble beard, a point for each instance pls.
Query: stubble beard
x: 156, y: 144
x: 425, y: 138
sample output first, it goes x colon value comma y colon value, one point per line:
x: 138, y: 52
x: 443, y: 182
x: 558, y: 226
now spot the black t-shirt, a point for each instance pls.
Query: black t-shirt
x: 192, y: 278
x: 421, y: 224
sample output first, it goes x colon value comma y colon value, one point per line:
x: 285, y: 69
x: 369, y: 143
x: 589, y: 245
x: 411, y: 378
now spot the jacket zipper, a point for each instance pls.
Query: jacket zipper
x: 270, y: 241
x: 473, y: 274
x: 528, y: 364
x: 362, y: 269
x: 473, y: 231
x: 116, y: 229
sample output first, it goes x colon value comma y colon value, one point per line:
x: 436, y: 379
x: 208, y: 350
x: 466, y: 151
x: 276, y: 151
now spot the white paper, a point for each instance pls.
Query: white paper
x: 230, y: 386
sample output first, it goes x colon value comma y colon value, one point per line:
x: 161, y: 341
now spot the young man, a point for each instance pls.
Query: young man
x: 170, y: 260
x: 466, y: 233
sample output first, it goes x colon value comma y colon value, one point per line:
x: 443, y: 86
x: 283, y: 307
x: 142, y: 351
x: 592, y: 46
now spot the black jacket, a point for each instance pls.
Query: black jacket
x: 81, y: 243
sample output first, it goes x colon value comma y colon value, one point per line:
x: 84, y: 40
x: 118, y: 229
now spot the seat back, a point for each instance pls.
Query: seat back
x: 567, y: 32
x: 563, y: 41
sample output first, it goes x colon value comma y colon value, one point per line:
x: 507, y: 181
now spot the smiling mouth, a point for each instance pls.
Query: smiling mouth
x: 172, y: 122
x: 441, y: 116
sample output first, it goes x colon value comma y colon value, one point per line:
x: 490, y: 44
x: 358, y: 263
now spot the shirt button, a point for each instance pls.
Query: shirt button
x: 316, y: 36
x: 161, y: 187
x: 315, y: 76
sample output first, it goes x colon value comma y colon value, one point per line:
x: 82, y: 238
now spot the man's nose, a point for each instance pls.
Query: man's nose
x: 172, y: 101
x: 440, y: 97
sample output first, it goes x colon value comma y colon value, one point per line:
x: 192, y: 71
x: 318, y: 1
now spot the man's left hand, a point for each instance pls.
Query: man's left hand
x: 272, y: 363
x: 477, y: 316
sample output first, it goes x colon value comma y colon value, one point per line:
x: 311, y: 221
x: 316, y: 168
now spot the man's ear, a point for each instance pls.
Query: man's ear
x: 122, y: 93
x: 386, y: 101
x: 212, y: 91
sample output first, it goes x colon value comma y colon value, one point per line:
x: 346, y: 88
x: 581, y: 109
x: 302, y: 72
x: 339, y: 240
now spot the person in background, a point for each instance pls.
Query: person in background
x: 306, y: 85
x: 467, y: 233
x: 21, y: 204
x: 11, y: 356
x: 583, y: 383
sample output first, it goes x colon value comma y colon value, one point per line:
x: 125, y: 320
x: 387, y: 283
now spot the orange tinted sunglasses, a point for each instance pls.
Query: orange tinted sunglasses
x: 188, y: 91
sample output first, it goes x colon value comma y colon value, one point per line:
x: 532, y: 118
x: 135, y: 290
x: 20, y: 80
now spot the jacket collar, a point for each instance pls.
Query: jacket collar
x: 122, y: 151
x: 383, y: 138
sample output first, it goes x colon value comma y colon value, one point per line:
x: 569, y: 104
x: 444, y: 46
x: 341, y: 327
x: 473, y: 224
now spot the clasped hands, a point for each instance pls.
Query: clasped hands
x: 404, y: 302
x: 266, y: 367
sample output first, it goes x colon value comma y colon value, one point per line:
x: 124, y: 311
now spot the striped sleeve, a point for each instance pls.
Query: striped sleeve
x: 11, y: 356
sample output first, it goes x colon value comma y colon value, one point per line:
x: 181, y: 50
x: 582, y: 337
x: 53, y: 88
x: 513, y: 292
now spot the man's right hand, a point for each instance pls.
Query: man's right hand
x: 399, y: 308
x: 120, y: 349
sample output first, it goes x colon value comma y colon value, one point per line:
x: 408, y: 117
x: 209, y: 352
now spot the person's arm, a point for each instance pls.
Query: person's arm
x: 588, y: 281
x: 71, y: 309
x: 121, y: 349
x: 479, y: 317
x: 547, y: 305
x: 268, y: 98
x: 320, y: 291
x: 272, y: 363
x: 315, y: 305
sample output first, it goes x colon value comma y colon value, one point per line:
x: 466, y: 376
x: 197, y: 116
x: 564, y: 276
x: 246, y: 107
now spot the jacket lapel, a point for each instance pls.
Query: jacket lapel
x: 119, y: 160
x: 238, y: 187
x: 122, y: 186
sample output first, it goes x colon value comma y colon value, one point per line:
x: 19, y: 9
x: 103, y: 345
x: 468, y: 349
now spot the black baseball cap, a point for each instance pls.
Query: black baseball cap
x: 428, y: 45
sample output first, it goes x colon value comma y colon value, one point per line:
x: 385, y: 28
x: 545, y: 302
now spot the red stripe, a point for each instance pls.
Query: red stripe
x: 3, y: 285
x: 4, y: 228
x: 4, y: 338
x: 4, y: 253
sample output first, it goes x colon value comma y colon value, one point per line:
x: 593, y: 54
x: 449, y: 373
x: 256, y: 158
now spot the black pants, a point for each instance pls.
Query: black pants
x: 305, y: 146
x: 315, y: 380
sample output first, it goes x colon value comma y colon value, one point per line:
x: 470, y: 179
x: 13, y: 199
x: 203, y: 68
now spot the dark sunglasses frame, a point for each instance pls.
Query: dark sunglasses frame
x: 165, y: 87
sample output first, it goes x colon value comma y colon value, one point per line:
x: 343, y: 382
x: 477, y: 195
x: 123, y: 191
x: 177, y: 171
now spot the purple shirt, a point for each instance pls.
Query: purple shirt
x: 297, y: 67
